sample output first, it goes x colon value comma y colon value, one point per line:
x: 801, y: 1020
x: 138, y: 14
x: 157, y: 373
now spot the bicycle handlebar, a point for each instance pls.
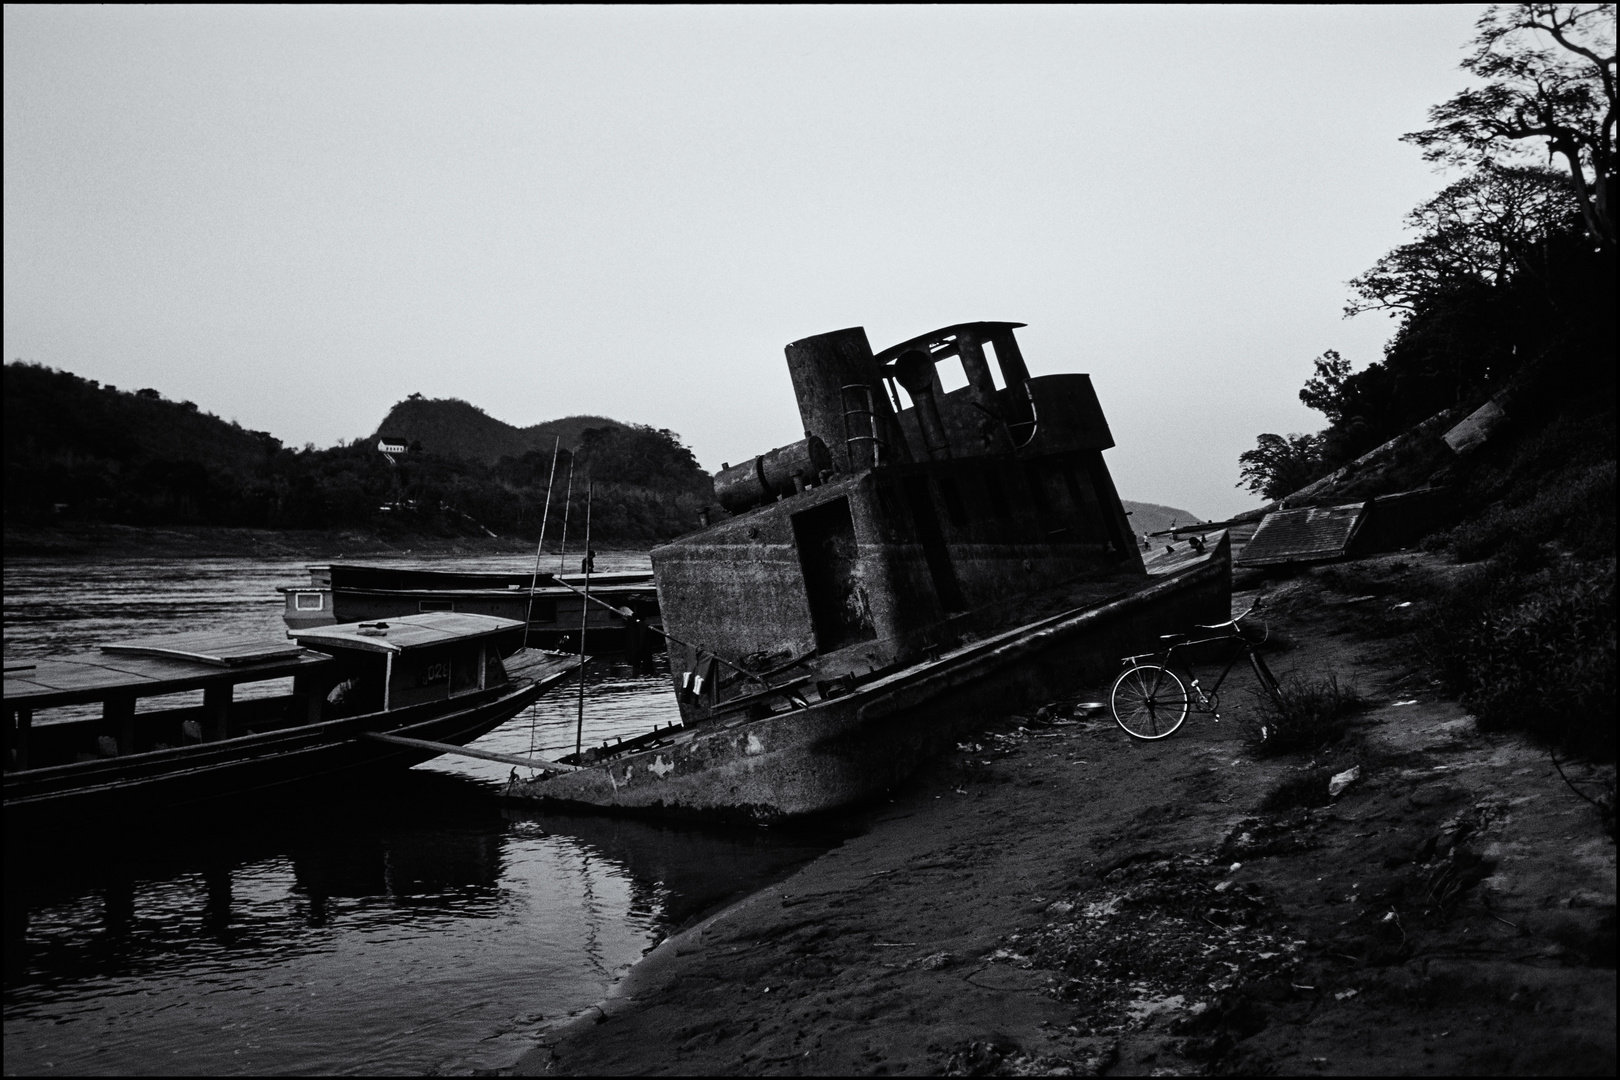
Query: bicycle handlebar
x: 1233, y: 622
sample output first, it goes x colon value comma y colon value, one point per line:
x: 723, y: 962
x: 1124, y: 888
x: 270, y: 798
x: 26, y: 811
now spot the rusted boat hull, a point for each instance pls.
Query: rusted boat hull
x: 852, y: 748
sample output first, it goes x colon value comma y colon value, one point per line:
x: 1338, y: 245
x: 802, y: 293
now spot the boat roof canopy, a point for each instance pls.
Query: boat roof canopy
x: 136, y: 669
x: 406, y: 632
x: 941, y: 343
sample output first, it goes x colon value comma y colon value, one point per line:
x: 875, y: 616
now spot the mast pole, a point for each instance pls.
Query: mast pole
x: 562, y: 555
x: 534, y: 579
x: 584, y: 614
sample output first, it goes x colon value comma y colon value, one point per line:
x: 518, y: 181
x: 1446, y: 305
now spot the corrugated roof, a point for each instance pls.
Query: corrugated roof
x: 208, y: 647
x: 406, y: 632
x: 1310, y: 534
x: 72, y: 680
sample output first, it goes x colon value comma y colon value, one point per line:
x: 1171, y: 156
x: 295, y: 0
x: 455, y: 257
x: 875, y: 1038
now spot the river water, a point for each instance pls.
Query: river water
x: 416, y: 925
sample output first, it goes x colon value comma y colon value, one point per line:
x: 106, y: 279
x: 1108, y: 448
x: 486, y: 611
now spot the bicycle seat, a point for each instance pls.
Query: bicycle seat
x: 1174, y: 638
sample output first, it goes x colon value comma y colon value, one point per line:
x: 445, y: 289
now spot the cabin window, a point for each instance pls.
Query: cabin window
x: 996, y: 494
x: 308, y: 601
x: 996, y: 377
x: 952, y: 377
x: 951, y: 496
x: 435, y: 605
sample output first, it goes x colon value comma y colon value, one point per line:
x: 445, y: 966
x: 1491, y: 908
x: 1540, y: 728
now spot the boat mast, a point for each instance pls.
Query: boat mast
x: 562, y: 555
x: 584, y: 614
x: 534, y: 579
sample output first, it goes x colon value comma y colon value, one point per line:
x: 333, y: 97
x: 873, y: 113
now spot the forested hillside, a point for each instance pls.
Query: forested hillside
x: 77, y: 451
x: 456, y: 428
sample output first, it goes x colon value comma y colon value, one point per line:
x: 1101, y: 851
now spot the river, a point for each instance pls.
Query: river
x: 415, y: 925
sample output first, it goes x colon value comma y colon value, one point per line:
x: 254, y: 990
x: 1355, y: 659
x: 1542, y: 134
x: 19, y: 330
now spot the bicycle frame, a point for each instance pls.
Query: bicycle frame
x: 1208, y: 699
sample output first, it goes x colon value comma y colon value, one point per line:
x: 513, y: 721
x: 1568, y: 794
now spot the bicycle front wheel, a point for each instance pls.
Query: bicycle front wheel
x: 1149, y: 701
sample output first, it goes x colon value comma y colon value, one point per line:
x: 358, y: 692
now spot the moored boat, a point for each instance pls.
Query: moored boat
x: 363, y: 696
x: 552, y: 604
x: 887, y: 583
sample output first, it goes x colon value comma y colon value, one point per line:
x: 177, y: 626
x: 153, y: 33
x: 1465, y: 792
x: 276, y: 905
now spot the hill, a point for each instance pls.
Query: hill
x: 80, y: 453
x: 1152, y: 518
x: 458, y: 428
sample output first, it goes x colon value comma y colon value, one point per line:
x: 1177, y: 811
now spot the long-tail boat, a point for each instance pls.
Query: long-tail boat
x: 551, y: 603
x: 166, y: 721
x: 906, y: 571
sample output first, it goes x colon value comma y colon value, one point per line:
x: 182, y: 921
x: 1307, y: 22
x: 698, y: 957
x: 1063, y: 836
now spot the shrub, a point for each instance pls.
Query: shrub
x: 1534, y: 651
x: 1310, y: 713
x: 1577, y: 508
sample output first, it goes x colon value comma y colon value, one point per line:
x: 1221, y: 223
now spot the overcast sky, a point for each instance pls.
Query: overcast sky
x: 297, y: 216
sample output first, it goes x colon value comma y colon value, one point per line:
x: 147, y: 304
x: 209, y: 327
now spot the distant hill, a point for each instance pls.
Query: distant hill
x: 1152, y: 518
x: 457, y: 428
x: 78, y: 451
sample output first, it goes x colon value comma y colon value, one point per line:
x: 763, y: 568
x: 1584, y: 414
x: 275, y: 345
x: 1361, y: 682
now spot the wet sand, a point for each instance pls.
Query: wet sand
x: 1055, y: 898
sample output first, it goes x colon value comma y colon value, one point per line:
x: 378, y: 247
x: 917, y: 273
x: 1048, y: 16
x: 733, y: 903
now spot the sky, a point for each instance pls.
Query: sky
x: 297, y: 216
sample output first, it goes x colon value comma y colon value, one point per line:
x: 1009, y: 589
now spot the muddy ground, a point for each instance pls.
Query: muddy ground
x: 1058, y: 899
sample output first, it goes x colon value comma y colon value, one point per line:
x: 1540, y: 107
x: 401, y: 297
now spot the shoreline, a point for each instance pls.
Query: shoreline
x: 1055, y: 898
x: 206, y: 541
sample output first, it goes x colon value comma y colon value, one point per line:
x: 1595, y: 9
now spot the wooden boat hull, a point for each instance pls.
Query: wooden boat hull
x: 326, y: 750
x: 848, y: 749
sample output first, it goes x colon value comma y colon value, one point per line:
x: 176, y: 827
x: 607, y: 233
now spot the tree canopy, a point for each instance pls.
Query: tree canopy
x: 1549, y: 72
x: 1502, y: 273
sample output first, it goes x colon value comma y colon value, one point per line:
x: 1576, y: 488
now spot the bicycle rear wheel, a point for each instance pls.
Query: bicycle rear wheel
x: 1149, y: 701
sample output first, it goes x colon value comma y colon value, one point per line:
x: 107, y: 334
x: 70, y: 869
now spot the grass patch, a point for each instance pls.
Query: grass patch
x: 1575, y: 508
x: 1532, y: 649
x: 1312, y: 712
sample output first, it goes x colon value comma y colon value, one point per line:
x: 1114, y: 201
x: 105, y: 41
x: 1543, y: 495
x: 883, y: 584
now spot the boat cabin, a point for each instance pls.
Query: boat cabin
x: 930, y: 500
x: 171, y: 692
x: 397, y: 663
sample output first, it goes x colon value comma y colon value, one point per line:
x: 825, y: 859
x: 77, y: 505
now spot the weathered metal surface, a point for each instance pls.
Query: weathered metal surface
x: 780, y: 472
x: 1311, y: 534
x: 864, y: 583
x: 849, y: 748
x: 857, y: 427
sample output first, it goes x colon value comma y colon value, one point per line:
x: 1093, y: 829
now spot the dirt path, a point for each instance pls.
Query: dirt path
x: 1057, y: 899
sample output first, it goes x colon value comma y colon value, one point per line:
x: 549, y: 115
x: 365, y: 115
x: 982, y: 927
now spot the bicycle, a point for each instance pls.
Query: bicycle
x: 1150, y: 701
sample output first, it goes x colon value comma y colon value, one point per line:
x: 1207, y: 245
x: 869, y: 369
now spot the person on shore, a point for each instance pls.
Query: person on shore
x: 587, y: 565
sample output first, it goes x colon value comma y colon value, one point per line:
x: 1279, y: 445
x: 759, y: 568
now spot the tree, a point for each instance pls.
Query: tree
x: 1550, y: 75
x: 1280, y: 464
x: 1482, y: 230
x: 1324, y: 391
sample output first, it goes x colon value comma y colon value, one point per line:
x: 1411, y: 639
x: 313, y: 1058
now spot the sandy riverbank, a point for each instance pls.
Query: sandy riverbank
x: 1057, y: 899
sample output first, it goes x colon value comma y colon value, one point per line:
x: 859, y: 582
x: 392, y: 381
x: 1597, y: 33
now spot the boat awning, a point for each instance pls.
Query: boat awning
x: 406, y: 632
x: 74, y: 680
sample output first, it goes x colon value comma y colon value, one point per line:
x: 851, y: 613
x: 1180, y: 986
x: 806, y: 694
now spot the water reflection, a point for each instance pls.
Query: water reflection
x: 414, y: 926
x: 419, y: 927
